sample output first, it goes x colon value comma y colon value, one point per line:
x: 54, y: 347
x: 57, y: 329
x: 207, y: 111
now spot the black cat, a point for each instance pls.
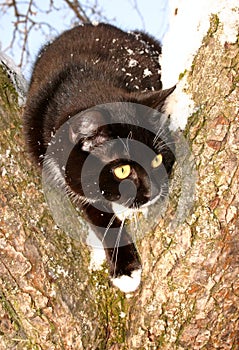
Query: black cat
x: 102, y: 87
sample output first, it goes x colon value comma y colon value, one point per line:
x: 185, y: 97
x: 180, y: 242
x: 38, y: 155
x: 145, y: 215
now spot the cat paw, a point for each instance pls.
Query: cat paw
x: 128, y: 284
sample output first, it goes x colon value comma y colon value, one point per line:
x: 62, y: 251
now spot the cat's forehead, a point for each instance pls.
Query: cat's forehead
x: 126, y: 148
x: 131, y: 113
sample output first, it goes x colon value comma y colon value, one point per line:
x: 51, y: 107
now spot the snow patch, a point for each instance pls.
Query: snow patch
x: 187, y: 29
x: 147, y: 73
x: 130, y: 52
x: 97, y: 257
x: 179, y: 106
x: 4, y: 172
x: 229, y: 17
x: 133, y: 63
x: 189, y: 23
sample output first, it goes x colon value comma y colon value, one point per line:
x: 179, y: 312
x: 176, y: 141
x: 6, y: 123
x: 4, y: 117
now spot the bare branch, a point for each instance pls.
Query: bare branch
x: 78, y: 10
x: 27, y: 15
x: 136, y: 8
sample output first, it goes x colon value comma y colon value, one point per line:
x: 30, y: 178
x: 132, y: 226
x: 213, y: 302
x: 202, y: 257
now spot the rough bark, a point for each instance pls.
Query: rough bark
x: 189, y: 297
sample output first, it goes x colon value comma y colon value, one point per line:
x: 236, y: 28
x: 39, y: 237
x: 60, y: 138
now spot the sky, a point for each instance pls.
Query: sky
x: 150, y: 16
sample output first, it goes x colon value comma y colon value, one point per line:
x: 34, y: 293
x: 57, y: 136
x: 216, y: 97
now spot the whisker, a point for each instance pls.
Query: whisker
x: 108, y: 227
x: 136, y: 227
x: 162, y: 134
x: 127, y: 140
x: 161, y: 145
x: 135, y: 221
x: 159, y: 132
x: 126, y: 145
x: 128, y: 200
x: 116, y: 247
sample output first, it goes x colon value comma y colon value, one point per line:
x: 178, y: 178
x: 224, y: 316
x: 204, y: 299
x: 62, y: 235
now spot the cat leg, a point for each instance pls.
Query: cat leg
x: 121, y: 253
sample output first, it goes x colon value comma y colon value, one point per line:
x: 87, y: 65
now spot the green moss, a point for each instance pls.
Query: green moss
x: 10, y: 311
x: 112, y: 308
x: 31, y: 346
x: 214, y: 23
x: 8, y: 93
x: 181, y: 75
x: 189, y: 318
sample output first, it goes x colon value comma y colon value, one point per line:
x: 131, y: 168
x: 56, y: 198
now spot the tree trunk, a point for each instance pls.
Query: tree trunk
x: 189, y: 296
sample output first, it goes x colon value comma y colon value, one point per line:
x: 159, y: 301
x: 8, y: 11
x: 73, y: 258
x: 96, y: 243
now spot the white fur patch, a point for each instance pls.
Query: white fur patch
x: 144, y: 208
x: 97, y: 257
x: 123, y: 212
x: 128, y: 284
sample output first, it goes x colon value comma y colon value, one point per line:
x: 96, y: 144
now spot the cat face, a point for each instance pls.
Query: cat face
x: 117, y: 160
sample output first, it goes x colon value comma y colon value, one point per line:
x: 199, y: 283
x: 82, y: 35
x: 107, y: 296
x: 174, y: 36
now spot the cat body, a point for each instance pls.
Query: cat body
x: 100, y: 83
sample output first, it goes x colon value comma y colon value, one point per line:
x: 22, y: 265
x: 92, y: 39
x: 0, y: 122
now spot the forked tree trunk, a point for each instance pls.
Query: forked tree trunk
x: 189, y: 297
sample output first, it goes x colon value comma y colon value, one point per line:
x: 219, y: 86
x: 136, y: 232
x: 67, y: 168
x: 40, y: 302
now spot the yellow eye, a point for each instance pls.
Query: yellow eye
x: 123, y: 171
x: 157, y: 161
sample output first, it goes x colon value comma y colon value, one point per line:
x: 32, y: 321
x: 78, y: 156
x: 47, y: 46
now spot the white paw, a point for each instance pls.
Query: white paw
x: 128, y: 284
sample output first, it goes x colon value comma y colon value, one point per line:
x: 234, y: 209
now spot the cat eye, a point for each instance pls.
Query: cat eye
x: 157, y: 161
x: 122, y: 171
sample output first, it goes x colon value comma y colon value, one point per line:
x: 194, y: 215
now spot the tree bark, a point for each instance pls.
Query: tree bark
x: 189, y: 297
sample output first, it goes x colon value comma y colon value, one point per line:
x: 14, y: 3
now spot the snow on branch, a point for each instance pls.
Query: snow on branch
x: 189, y: 24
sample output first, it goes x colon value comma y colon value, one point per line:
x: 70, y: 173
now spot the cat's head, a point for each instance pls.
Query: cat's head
x: 122, y: 153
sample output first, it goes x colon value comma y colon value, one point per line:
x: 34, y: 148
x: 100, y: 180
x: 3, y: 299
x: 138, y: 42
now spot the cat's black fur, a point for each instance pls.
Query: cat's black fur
x: 87, y: 67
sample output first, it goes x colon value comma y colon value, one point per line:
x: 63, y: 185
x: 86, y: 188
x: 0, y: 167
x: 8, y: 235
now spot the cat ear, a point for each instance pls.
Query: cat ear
x: 155, y: 99
x: 86, y: 126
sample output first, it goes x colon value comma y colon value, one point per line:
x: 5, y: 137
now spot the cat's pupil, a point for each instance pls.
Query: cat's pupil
x: 122, y: 171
